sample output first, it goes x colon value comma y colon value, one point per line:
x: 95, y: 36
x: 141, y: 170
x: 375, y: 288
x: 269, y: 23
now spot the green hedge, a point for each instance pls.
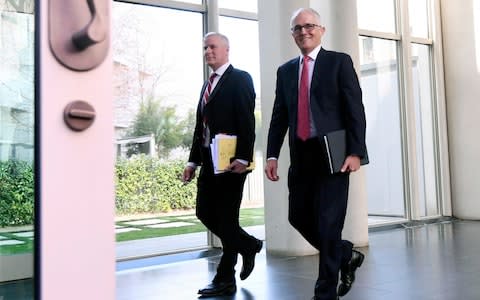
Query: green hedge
x: 143, y: 185
x: 16, y: 193
x: 148, y: 185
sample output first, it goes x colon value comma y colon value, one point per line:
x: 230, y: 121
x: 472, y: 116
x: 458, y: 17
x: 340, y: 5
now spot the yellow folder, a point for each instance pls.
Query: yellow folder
x: 223, y: 150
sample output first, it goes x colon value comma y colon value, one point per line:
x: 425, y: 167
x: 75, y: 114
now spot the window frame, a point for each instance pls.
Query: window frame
x: 404, y: 41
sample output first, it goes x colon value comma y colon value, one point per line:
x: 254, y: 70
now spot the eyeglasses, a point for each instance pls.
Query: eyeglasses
x: 308, y: 27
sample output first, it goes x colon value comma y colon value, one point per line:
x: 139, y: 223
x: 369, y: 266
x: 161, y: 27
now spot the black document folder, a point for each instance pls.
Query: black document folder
x: 336, y: 149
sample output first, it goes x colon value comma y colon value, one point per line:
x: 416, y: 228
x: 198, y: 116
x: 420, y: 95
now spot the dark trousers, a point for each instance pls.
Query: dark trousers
x: 317, y: 209
x: 218, y: 207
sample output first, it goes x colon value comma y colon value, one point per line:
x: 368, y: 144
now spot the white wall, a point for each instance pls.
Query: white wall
x: 461, y: 42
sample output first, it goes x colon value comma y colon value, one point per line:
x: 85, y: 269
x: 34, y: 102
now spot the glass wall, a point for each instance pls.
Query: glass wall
x: 425, y: 133
x: 16, y: 147
x: 397, y: 76
x: 380, y: 19
x: 381, y: 95
x: 159, y: 72
x: 157, y: 78
x: 244, y: 5
x: 423, y: 87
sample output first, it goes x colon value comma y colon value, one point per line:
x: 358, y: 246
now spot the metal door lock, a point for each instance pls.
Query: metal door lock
x: 79, y: 115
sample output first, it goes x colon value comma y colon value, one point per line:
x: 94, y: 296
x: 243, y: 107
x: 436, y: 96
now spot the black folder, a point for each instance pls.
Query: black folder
x: 336, y: 150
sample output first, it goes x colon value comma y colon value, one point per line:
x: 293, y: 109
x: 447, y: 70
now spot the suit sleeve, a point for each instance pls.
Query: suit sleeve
x: 279, y: 121
x: 354, y: 109
x: 195, y: 155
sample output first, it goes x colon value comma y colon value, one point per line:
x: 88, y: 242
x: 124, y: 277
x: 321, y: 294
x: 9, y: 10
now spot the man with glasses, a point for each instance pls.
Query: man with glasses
x: 318, y: 93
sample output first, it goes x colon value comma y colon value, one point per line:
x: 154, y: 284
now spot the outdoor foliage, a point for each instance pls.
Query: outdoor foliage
x: 163, y: 122
x: 148, y: 185
x: 16, y: 193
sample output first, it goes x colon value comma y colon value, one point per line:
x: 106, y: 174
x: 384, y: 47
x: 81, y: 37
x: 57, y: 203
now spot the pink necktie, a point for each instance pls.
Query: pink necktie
x: 303, y: 114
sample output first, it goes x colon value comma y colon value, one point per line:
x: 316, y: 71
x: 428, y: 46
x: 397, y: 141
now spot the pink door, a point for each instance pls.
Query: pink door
x: 75, y: 247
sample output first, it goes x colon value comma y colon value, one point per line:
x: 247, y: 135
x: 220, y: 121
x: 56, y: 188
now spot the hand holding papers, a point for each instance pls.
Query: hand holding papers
x: 223, y: 150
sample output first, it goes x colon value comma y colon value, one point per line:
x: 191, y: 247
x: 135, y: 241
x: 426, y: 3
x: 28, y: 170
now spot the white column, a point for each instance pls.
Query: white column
x: 461, y: 49
x: 340, y: 19
x: 276, y: 47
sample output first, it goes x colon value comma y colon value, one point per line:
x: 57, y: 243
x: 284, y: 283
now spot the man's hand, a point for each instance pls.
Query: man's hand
x: 188, y: 174
x: 271, y: 169
x: 237, y: 167
x: 351, y: 164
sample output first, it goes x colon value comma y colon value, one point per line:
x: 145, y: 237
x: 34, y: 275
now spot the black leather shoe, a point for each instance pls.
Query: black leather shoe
x: 249, y: 261
x: 347, y: 273
x: 219, y: 289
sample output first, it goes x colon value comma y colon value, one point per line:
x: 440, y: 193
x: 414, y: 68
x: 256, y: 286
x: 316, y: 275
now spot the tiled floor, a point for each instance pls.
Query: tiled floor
x: 438, y: 261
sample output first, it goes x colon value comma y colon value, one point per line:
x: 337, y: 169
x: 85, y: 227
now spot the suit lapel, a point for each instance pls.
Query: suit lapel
x: 219, y: 84
x: 318, y: 71
x: 293, y: 86
x: 214, y: 92
x: 200, y: 103
x: 316, y: 86
x: 204, y: 87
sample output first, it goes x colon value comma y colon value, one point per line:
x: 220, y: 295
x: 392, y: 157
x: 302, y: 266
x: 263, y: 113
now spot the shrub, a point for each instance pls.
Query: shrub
x: 143, y: 185
x: 16, y: 193
x: 147, y: 185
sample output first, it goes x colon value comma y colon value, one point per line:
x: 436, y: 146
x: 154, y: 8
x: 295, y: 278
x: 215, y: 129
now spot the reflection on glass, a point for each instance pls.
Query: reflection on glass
x: 244, y: 5
x: 382, y: 18
x: 379, y: 79
x: 418, y: 18
x: 244, y: 54
x: 158, y: 74
x: 424, y: 120
x: 16, y: 147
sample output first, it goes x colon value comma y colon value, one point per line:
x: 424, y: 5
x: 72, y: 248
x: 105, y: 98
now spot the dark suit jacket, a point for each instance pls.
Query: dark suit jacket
x: 230, y: 110
x: 335, y: 102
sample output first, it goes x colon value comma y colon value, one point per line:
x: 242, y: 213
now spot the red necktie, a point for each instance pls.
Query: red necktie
x: 303, y: 114
x: 206, y: 94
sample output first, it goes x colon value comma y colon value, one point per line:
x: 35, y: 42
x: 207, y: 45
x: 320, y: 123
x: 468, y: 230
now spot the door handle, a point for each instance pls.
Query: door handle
x: 94, y: 32
x: 79, y: 32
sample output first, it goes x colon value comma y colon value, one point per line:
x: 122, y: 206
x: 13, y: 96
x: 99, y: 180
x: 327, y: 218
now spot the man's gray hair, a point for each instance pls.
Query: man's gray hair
x: 221, y: 36
x: 308, y: 10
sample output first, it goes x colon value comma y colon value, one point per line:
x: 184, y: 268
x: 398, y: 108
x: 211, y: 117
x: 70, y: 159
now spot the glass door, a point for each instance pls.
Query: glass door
x: 17, y: 26
x: 158, y: 74
x: 157, y: 78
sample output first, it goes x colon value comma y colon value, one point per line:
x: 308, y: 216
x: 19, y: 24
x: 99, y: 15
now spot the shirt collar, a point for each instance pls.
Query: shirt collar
x: 222, y: 69
x: 313, y: 54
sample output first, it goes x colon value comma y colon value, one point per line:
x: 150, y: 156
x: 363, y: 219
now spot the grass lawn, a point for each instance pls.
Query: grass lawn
x: 248, y: 217
x: 26, y: 247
